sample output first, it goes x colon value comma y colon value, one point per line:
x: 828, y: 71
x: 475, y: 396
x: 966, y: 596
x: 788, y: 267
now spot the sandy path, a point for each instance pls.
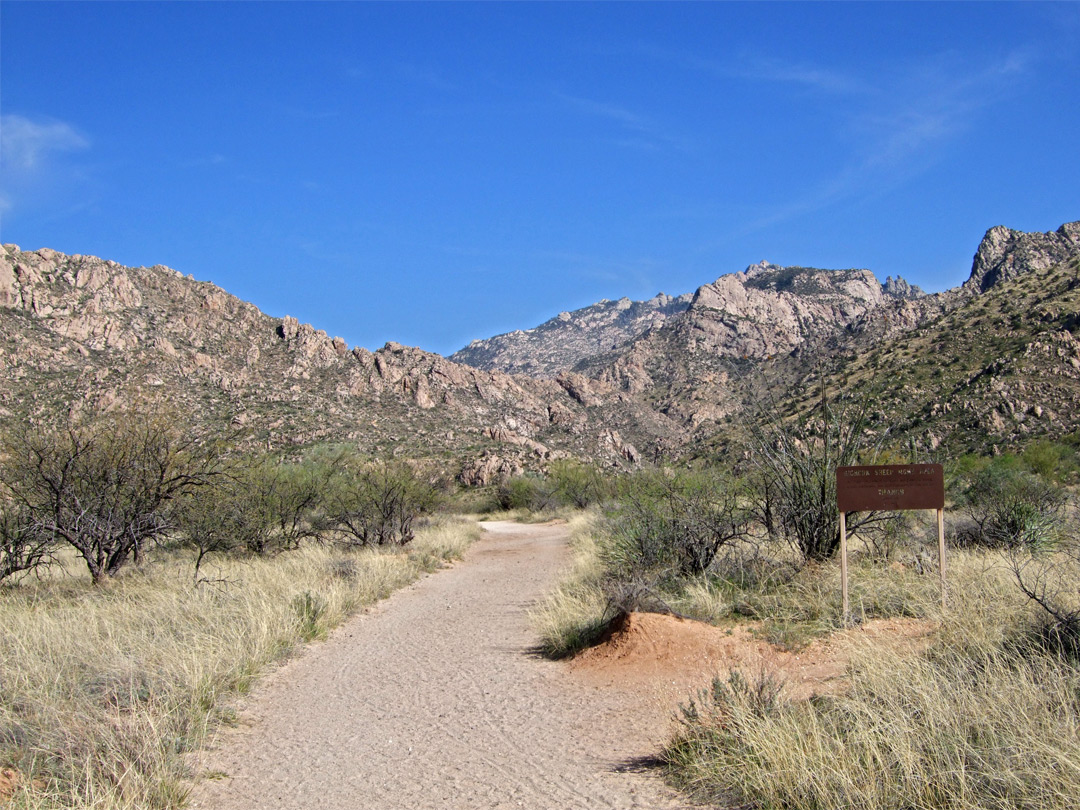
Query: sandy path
x: 435, y: 700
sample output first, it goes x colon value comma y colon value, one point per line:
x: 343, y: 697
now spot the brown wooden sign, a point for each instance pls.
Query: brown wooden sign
x: 889, y: 487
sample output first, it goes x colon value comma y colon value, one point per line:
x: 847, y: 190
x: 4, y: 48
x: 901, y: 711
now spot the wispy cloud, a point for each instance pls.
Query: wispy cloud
x: 425, y: 77
x: 643, y: 131
x: 771, y: 69
x: 899, y: 128
x: 25, y: 144
x: 34, y: 162
x: 215, y: 159
x: 755, y: 67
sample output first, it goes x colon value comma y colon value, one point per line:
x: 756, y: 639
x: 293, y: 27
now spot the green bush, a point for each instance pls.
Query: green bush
x: 578, y: 484
x: 671, y: 523
x: 530, y: 492
x: 260, y: 506
x: 376, y: 503
x: 1011, y: 508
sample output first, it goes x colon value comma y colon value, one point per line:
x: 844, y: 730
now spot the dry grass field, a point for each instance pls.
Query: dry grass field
x: 105, y: 690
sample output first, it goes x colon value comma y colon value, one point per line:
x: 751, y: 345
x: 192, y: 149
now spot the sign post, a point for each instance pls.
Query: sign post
x: 890, y: 487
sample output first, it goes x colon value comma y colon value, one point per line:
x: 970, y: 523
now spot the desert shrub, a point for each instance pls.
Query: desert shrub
x: 376, y: 503
x: 104, y: 485
x: 259, y: 506
x: 1050, y: 579
x: 794, y: 473
x: 531, y: 492
x: 667, y: 523
x: 577, y: 483
x: 1009, y: 507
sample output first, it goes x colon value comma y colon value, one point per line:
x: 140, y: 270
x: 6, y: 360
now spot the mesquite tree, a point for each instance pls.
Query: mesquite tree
x: 22, y: 546
x: 103, y: 485
x: 374, y: 503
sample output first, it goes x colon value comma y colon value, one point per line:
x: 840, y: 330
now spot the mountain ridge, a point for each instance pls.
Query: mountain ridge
x: 82, y: 333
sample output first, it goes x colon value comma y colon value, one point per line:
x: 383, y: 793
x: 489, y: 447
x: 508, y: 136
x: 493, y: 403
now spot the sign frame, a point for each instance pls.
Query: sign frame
x: 890, y: 487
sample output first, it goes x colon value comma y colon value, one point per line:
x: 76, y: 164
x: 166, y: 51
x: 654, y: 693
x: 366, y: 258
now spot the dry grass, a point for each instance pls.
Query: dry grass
x: 104, y: 690
x: 984, y: 719
x: 794, y: 603
x: 577, y: 609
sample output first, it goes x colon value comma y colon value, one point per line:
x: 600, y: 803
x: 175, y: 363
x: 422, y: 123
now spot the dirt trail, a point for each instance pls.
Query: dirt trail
x: 435, y: 700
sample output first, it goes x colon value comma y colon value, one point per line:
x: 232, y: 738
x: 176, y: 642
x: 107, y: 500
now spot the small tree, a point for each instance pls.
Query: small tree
x: 671, y: 523
x: 376, y: 503
x: 103, y: 485
x: 578, y: 483
x: 529, y: 491
x: 261, y: 506
x: 24, y: 546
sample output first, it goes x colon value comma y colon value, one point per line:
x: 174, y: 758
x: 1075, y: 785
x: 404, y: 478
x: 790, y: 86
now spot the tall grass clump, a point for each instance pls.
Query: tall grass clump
x: 104, y: 690
x: 577, y: 610
x: 986, y: 718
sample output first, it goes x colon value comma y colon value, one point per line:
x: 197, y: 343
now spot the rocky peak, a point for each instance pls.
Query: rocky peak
x: 562, y: 342
x: 769, y: 309
x: 899, y: 288
x: 1004, y: 254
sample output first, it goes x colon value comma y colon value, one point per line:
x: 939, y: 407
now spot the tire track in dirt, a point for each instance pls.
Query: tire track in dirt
x: 435, y: 699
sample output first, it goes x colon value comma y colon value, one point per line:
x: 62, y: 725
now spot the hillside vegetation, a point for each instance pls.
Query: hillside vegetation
x: 1002, y: 369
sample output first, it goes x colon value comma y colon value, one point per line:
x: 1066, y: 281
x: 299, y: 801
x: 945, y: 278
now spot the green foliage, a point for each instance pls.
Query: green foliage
x: 578, y: 484
x: 1054, y: 461
x: 376, y: 503
x: 310, y: 609
x: 261, y: 506
x: 1009, y: 507
x: 671, y: 523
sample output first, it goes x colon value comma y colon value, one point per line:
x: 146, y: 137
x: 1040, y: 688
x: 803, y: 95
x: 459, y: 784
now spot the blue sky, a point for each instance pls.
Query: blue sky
x: 434, y: 173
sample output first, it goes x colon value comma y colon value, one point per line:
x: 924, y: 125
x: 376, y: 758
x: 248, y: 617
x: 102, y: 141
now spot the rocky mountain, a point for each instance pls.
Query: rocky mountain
x: 80, y: 332
x: 567, y: 339
x: 995, y: 371
x: 767, y: 315
x: 992, y: 363
x: 1006, y: 254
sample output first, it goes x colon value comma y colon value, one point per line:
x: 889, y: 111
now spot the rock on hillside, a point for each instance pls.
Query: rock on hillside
x: 561, y: 343
x: 80, y: 332
x: 1005, y: 254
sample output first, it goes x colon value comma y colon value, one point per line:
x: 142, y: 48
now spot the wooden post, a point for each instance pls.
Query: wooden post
x: 941, y: 551
x: 843, y: 564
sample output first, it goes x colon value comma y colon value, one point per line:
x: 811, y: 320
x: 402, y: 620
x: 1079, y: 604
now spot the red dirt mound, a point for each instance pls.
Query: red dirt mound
x: 10, y: 781
x: 674, y: 656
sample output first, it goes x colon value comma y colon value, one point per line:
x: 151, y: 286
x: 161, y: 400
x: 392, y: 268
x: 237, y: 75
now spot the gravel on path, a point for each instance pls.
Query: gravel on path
x: 437, y: 699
